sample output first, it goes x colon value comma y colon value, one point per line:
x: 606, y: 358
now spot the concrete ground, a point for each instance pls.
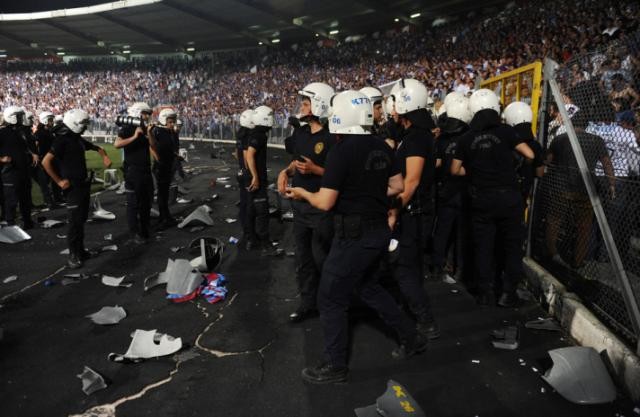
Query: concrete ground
x: 242, y: 357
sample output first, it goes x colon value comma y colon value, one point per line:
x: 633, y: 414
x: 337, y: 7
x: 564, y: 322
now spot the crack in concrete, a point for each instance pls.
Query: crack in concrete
x: 109, y: 410
x: 62, y: 268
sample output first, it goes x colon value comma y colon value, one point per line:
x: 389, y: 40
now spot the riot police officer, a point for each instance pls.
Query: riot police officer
x: 416, y: 158
x: 256, y: 160
x: 485, y: 155
x: 312, y: 228
x: 68, y: 149
x: 359, y: 177
x: 162, y: 141
x: 137, y: 172
x: 453, y: 223
x: 16, y: 159
x: 242, y: 136
x: 43, y: 140
x: 519, y: 116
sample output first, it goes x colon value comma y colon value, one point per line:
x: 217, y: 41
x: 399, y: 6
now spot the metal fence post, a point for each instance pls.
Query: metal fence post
x: 547, y: 74
x: 618, y: 267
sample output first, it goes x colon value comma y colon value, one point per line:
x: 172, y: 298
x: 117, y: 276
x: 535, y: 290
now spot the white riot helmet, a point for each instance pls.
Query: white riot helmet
x: 413, y: 95
x: 389, y: 104
x: 484, y: 99
x: 137, y: 108
x: 453, y: 96
x: 12, y: 113
x: 352, y: 110
x: 262, y: 116
x: 45, y: 116
x: 76, y: 120
x: 246, y: 119
x: 458, y: 108
x: 517, y: 112
x: 165, y: 114
x: 27, y: 120
x: 373, y: 93
x: 320, y: 95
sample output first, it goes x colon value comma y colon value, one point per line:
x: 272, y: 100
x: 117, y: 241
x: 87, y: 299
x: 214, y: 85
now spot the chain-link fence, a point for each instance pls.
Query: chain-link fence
x: 586, y: 216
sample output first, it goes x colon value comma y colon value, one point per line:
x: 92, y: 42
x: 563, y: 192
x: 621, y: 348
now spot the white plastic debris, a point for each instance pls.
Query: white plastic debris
x: 475, y: 361
x: 143, y: 346
x: 176, y: 249
x: 10, y: 279
x: 108, y: 315
x: 115, y: 281
x: 227, y: 186
x: 183, y: 200
x: 223, y: 179
x: 112, y: 248
x: 64, y: 251
x: 448, y: 279
x: 91, y: 381
x: 542, y: 390
x: 61, y: 236
x: 49, y: 224
x: 200, y: 214
x: 179, y: 277
x: 230, y: 220
x: 99, y: 213
x: 534, y: 369
x: 108, y: 237
x: 393, y: 245
x: 13, y: 234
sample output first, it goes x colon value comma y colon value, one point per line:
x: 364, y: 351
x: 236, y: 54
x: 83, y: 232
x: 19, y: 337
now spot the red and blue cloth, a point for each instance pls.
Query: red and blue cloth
x: 212, y: 289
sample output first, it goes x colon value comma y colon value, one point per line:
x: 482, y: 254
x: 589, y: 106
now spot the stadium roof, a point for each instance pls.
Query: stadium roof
x: 159, y: 26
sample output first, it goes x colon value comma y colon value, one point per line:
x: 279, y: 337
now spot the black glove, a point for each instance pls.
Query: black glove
x: 293, y: 121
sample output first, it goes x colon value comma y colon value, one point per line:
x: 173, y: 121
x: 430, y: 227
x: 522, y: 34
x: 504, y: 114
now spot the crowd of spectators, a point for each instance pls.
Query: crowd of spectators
x: 213, y: 89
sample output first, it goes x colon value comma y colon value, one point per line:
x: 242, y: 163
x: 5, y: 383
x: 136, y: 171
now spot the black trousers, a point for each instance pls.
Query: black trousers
x: 244, y: 201
x: 454, y: 228
x: 408, y: 266
x: 44, y: 182
x: 78, y: 200
x: 258, y: 215
x: 16, y: 186
x: 164, y: 175
x: 348, y: 269
x: 139, y: 190
x: 313, y: 233
x: 497, y: 213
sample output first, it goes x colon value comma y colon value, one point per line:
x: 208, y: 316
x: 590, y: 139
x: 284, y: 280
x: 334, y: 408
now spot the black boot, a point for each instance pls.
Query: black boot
x: 74, y: 261
x: 408, y: 349
x: 325, y: 374
x: 428, y: 327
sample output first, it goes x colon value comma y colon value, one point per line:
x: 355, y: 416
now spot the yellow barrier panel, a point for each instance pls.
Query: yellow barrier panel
x: 520, y: 84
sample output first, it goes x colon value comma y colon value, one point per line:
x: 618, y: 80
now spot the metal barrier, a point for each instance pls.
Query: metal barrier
x: 585, y: 223
x: 107, y: 131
